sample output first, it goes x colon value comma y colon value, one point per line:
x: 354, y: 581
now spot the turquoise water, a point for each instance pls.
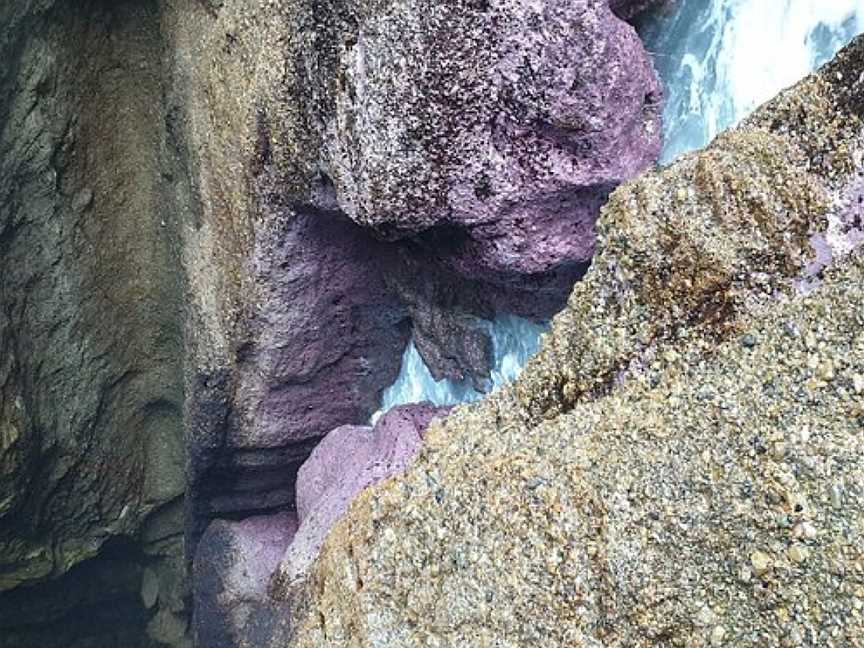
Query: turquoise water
x: 514, y: 340
x: 721, y: 59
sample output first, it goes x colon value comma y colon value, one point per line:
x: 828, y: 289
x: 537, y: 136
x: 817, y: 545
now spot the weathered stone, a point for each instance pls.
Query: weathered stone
x: 91, y: 386
x: 613, y: 511
x: 291, y: 332
x: 502, y: 140
x: 233, y: 565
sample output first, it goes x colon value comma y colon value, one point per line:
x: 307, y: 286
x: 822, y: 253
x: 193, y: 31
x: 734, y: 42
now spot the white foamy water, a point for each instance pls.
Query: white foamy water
x: 719, y: 60
x: 514, y: 340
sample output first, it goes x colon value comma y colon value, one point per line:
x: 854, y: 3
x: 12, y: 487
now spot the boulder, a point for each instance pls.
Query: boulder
x: 508, y: 140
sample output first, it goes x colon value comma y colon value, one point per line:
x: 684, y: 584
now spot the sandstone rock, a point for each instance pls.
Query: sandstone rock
x: 624, y: 484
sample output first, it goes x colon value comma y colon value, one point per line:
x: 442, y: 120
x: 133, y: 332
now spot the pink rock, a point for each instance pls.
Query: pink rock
x: 348, y: 460
x: 231, y: 573
x: 509, y: 137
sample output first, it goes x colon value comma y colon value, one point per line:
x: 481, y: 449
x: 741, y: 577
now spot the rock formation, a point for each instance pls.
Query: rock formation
x: 236, y: 560
x: 290, y: 332
x: 681, y: 464
x: 220, y: 224
x: 91, y: 343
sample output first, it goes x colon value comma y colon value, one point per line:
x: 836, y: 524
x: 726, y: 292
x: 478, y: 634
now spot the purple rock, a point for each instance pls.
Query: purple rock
x: 231, y: 573
x: 510, y: 137
x: 348, y: 460
x: 844, y: 234
x: 329, y: 333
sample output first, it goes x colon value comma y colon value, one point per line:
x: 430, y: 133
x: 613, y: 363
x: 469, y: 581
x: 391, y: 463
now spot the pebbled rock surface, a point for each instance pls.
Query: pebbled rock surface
x: 681, y: 464
x: 305, y: 108
x: 510, y: 137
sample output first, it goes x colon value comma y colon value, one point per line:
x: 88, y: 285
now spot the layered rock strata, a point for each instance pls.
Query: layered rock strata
x: 237, y: 559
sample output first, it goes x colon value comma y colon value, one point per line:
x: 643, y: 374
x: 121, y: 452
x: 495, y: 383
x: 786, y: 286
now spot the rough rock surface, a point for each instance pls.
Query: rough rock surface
x: 509, y: 138
x: 297, y: 137
x: 682, y: 462
x: 219, y: 151
x: 235, y: 560
x: 91, y: 393
x: 231, y: 578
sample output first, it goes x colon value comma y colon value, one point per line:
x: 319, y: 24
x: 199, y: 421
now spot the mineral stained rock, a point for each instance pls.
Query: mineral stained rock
x: 235, y: 560
x: 335, y: 218
x: 682, y: 462
x: 231, y: 577
x: 348, y: 460
x: 512, y: 134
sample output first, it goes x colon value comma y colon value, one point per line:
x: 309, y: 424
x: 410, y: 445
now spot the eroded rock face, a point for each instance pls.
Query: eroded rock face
x: 231, y: 575
x: 347, y: 461
x: 682, y: 462
x: 91, y: 393
x: 319, y: 138
x: 267, y: 163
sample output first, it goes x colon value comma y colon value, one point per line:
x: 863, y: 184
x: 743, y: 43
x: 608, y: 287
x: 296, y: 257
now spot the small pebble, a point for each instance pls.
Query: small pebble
x: 778, y: 451
x: 760, y: 561
x: 798, y: 553
x: 836, y: 495
x: 718, y: 635
x: 804, y: 531
x: 705, y: 616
